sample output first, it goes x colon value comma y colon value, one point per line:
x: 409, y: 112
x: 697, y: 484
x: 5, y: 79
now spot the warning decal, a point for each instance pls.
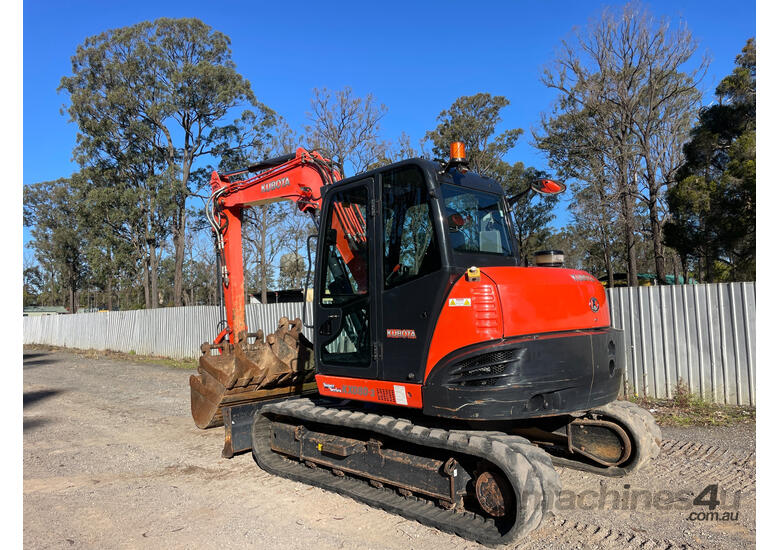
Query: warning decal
x: 459, y: 302
x: 400, y: 395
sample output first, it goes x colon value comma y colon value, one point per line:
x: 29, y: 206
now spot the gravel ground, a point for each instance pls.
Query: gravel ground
x: 112, y: 459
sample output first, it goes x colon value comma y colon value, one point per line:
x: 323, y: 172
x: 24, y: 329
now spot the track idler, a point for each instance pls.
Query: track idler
x: 614, y: 439
x: 602, y: 441
x: 269, y: 366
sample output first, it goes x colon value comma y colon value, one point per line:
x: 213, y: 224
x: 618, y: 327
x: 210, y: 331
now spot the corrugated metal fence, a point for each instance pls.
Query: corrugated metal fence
x: 174, y: 332
x: 702, y: 334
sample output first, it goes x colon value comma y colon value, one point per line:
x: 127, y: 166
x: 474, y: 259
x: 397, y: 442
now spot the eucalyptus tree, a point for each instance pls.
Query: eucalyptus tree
x: 174, y: 78
x: 473, y: 120
x: 625, y: 104
x: 57, y: 239
x: 346, y: 128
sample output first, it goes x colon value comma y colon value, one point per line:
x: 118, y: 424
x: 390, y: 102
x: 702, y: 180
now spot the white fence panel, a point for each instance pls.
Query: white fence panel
x: 174, y: 332
x: 703, y: 335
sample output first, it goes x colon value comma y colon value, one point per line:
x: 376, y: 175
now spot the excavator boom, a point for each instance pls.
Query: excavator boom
x: 298, y: 178
x: 241, y: 367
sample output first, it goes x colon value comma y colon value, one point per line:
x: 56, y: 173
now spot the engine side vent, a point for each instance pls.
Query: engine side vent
x: 485, y: 370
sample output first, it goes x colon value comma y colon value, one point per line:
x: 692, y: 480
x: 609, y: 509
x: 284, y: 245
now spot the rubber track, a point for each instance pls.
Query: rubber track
x: 528, y: 468
x: 642, y: 429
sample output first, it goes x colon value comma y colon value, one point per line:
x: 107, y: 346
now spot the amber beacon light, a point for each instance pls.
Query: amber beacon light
x: 457, y: 151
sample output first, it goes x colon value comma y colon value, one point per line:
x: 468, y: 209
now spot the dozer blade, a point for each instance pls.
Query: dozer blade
x: 270, y: 367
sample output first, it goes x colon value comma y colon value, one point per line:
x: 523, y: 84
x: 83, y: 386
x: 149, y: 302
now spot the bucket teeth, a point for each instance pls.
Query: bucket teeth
x: 281, y: 359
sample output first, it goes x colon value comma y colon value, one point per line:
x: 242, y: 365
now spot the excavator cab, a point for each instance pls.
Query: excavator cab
x: 413, y: 232
x: 420, y: 300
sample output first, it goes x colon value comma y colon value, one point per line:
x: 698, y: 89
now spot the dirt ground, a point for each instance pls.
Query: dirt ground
x: 112, y: 459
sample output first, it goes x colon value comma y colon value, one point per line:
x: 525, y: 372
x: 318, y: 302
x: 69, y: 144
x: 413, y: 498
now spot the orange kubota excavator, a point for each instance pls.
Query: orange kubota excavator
x: 444, y: 380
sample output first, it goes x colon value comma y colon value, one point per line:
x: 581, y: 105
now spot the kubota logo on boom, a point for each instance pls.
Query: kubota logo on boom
x: 276, y: 184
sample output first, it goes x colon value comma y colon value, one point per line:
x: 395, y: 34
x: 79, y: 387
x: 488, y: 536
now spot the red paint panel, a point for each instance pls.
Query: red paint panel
x: 515, y: 301
x: 471, y: 314
x: 375, y: 391
x: 548, y: 299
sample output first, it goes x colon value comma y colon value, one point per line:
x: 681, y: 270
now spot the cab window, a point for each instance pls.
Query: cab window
x: 410, y: 248
x: 476, y: 221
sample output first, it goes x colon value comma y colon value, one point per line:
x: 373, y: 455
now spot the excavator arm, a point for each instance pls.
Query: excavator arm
x: 297, y: 177
x: 250, y: 367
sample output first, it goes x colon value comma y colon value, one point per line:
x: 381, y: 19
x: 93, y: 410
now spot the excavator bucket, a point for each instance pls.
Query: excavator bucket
x: 271, y: 366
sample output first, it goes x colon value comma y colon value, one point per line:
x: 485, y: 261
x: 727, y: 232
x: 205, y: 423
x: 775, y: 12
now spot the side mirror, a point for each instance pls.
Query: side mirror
x: 547, y: 187
x: 542, y: 186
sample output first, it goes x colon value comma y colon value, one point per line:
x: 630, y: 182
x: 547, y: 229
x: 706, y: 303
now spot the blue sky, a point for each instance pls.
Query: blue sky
x: 415, y: 57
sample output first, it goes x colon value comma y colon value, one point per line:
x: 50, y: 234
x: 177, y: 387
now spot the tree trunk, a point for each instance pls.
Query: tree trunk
x: 153, y: 288
x: 608, y: 265
x: 109, y: 297
x: 655, y: 223
x: 263, y: 267
x: 179, y: 243
x: 626, y: 186
x: 658, y: 247
x: 630, y: 240
x: 145, y: 281
x: 180, y: 232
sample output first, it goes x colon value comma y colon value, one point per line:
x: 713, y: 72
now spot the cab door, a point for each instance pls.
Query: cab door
x: 345, y: 318
x: 412, y: 281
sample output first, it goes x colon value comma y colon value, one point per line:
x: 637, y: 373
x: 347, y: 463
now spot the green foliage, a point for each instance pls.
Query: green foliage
x: 33, y: 286
x: 292, y: 270
x: 149, y: 100
x: 58, y: 240
x: 473, y: 120
x: 713, y: 201
x: 532, y: 213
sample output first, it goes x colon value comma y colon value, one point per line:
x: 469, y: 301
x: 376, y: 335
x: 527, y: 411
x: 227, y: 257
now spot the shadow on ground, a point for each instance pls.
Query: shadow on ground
x: 32, y: 397
x: 37, y: 363
x: 31, y: 360
x: 32, y: 423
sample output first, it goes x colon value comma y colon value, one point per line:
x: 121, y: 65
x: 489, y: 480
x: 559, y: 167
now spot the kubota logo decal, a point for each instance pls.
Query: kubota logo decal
x: 583, y: 277
x: 407, y: 333
x: 276, y: 184
x: 345, y: 388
